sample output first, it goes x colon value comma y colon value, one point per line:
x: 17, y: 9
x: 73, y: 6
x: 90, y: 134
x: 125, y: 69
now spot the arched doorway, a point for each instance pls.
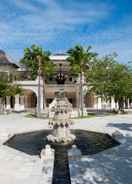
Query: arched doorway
x: 30, y: 99
x: 89, y: 100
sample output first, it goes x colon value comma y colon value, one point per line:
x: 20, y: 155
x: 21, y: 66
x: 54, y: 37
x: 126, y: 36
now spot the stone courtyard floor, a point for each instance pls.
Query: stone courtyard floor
x: 112, y: 166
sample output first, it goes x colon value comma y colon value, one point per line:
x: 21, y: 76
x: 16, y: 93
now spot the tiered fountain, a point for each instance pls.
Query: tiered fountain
x: 61, y: 121
x: 57, y: 144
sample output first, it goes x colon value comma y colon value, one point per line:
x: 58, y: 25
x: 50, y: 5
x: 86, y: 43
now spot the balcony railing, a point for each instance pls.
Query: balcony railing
x: 66, y: 87
x: 60, y: 85
x: 22, y: 75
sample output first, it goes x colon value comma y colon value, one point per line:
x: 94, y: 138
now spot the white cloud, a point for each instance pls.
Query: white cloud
x: 54, y: 17
x: 116, y: 39
x: 48, y: 18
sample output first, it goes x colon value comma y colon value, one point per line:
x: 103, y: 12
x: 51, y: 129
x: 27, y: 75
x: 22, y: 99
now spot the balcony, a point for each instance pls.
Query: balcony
x: 22, y: 76
x: 66, y: 87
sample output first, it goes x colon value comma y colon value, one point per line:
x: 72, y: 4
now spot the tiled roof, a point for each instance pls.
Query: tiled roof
x: 4, y: 60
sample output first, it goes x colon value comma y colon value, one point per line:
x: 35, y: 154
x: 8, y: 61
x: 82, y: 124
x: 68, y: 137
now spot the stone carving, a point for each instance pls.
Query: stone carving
x: 61, y: 121
x: 47, y: 153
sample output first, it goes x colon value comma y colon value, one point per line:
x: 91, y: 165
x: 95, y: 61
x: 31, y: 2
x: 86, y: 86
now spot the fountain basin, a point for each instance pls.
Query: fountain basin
x: 87, y: 141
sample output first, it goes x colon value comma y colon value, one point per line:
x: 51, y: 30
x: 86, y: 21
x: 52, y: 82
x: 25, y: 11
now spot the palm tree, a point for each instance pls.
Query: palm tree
x: 80, y: 59
x: 38, y: 62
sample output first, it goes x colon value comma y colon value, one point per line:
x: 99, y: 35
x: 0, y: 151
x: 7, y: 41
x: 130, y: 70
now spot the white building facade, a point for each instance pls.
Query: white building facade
x: 62, y: 79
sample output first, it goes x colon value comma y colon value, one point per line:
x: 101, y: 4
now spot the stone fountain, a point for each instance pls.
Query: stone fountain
x: 61, y: 121
x: 58, y: 148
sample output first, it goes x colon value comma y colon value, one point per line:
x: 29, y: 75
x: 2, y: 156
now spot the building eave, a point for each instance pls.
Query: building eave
x: 9, y: 64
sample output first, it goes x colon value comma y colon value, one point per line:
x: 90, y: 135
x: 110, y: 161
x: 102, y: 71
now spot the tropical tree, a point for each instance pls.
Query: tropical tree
x: 3, y: 88
x: 108, y: 78
x: 38, y: 63
x: 121, y: 89
x: 80, y: 59
x: 34, y: 58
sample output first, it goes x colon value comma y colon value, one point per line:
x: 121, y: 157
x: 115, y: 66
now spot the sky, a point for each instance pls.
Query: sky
x: 57, y: 25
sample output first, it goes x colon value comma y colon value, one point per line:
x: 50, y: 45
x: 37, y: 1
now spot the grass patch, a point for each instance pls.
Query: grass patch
x: 30, y: 115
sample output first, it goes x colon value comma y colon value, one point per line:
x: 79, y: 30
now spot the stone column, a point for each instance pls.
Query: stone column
x: 17, y: 106
x: 85, y: 89
x: 124, y: 104
x: 1, y: 105
x: 117, y: 106
x: 99, y: 103
x: 42, y: 103
x: 95, y: 105
x: 40, y: 96
x: 8, y: 103
x: 113, y: 104
x: 22, y: 103
x: 40, y: 100
x: 128, y: 103
x: 77, y: 100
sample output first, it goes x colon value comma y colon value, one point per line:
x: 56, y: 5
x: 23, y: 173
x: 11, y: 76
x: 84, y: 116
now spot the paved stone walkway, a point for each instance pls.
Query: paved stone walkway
x: 113, y: 166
